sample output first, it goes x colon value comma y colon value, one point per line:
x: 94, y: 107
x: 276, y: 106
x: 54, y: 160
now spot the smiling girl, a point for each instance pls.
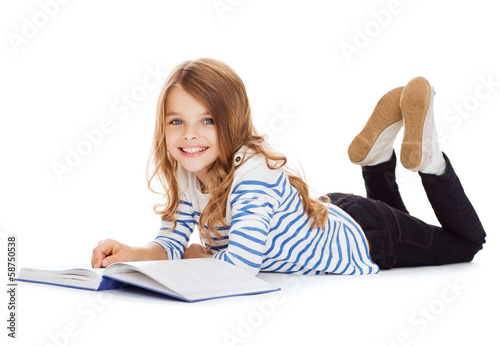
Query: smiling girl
x: 219, y: 175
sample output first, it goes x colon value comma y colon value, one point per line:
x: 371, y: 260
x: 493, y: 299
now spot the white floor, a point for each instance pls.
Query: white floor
x: 452, y: 305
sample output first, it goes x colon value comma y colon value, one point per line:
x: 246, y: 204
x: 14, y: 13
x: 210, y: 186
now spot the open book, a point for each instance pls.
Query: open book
x: 188, y: 279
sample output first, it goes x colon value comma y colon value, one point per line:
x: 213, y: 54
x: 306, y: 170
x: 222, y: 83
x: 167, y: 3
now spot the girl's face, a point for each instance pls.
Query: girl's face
x: 191, y: 133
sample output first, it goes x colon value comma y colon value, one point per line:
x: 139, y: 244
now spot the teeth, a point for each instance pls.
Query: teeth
x: 193, y: 150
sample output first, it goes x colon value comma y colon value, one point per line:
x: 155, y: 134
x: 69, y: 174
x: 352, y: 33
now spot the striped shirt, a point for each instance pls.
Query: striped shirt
x: 268, y: 227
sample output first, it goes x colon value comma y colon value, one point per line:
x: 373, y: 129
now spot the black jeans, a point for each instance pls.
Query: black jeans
x: 398, y: 239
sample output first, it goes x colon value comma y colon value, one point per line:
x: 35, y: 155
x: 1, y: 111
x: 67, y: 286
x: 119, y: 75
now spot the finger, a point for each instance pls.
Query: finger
x: 96, y: 262
x: 104, y: 249
x: 93, y: 259
x: 109, y: 260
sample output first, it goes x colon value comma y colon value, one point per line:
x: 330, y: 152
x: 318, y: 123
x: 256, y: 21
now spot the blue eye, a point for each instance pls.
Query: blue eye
x: 176, y: 122
x: 209, y: 121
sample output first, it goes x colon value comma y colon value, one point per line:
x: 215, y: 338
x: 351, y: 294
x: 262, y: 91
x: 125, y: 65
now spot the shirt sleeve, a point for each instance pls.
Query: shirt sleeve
x: 175, y: 241
x: 253, y: 203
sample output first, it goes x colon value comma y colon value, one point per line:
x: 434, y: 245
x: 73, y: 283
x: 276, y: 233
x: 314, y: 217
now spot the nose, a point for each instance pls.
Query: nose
x: 190, y: 133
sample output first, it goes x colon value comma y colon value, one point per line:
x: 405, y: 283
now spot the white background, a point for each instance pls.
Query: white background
x: 67, y: 67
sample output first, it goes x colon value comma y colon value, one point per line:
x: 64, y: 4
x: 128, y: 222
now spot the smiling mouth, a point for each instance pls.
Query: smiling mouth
x: 193, y: 150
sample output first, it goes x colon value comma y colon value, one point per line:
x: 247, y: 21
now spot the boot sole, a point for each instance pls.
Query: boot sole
x: 415, y: 101
x: 382, y: 126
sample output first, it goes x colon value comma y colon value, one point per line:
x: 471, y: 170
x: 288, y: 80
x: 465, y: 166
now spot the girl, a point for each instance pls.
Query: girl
x: 220, y: 175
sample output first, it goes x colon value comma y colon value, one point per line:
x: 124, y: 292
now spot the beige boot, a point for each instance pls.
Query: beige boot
x: 373, y: 145
x: 420, y: 148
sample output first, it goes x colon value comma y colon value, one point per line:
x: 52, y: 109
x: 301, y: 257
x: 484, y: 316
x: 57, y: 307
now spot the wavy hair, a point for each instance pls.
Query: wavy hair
x: 220, y: 90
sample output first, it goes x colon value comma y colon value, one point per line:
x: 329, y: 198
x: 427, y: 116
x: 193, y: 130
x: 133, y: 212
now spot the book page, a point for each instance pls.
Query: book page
x: 196, y: 278
x: 80, y: 276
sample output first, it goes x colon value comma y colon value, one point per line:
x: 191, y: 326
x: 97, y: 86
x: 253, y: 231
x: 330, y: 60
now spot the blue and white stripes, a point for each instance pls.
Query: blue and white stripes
x: 174, y: 242
x: 269, y: 229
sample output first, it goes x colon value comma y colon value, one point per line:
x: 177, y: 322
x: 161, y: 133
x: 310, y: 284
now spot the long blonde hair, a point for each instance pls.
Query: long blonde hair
x: 221, y: 91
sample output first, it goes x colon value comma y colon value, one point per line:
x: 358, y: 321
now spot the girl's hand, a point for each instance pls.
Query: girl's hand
x: 196, y: 251
x: 110, y: 251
